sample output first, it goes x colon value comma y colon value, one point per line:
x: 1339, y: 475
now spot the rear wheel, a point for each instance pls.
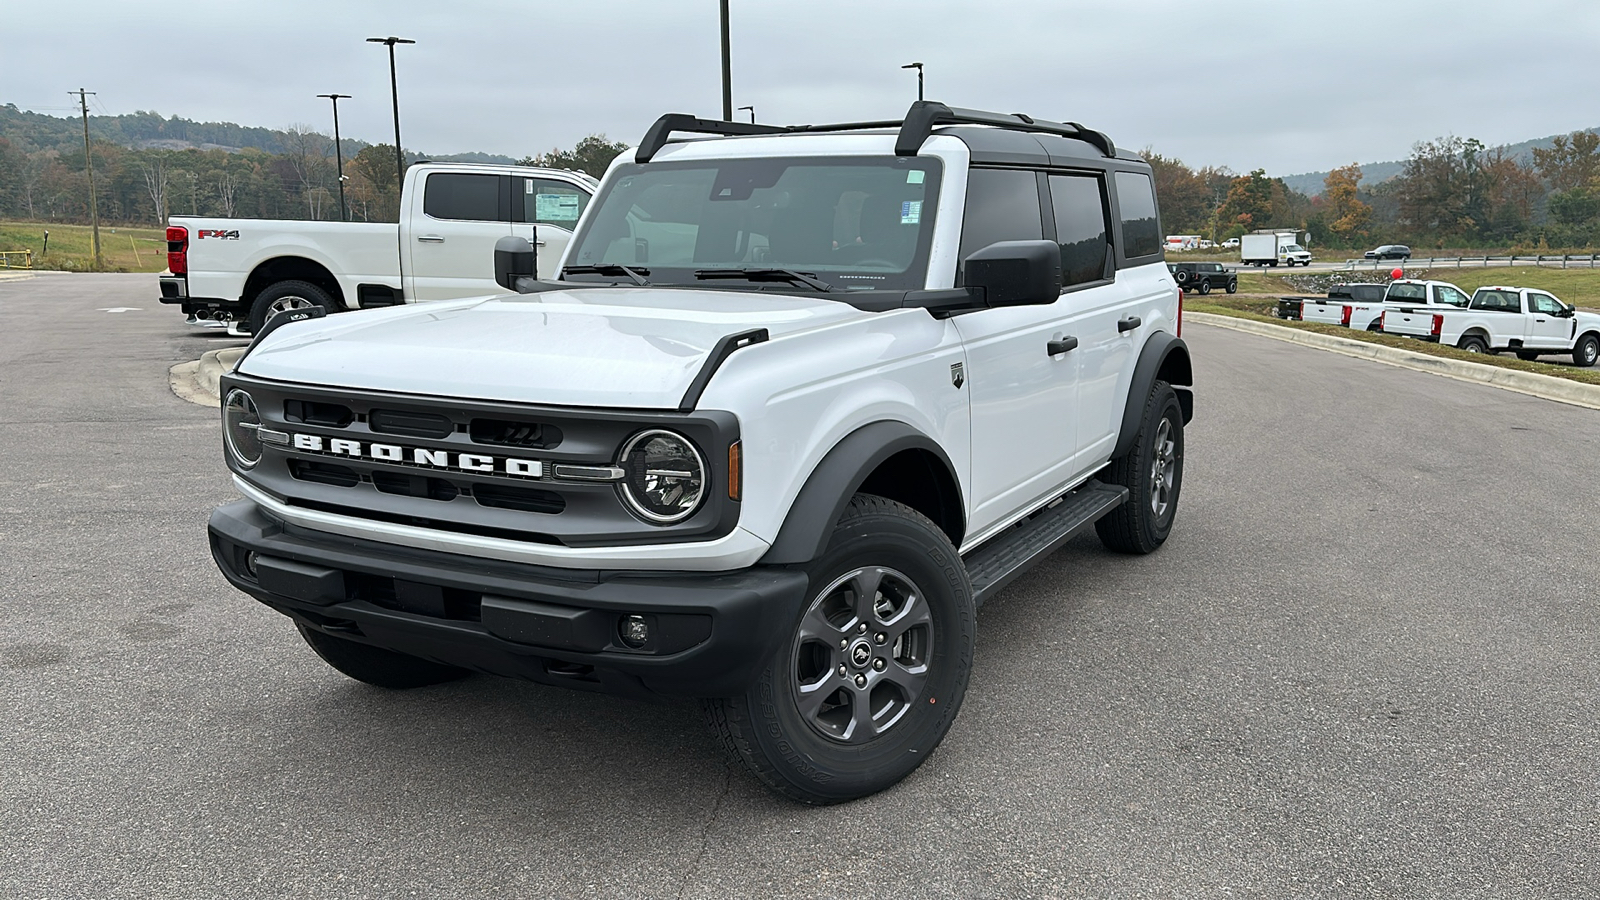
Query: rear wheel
x: 1473, y: 344
x: 1527, y: 355
x: 1586, y: 351
x: 375, y: 665
x: 1153, y: 474
x: 1204, y: 288
x: 284, y: 296
x: 872, y: 673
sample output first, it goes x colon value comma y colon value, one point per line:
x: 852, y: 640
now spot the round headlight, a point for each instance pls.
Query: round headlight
x: 666, y: 478
x: 240, y: 426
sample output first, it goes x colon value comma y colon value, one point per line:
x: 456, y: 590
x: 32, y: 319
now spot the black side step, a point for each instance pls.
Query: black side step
x: 1013, y: 551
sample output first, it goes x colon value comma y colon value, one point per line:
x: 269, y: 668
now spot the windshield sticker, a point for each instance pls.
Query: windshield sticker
x: 558, y: 207
x: 910, y: 212
x: 915, y: 176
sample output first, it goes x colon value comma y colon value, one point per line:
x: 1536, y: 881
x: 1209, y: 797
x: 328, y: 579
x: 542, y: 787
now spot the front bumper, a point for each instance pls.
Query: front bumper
x: 710, y: 633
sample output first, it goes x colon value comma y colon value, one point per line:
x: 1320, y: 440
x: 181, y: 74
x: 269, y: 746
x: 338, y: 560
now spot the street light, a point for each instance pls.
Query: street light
x: 918, y: 67
x: 394, y: 93
x: 752, y: 113
x: 727, y: 69
x: 338, y: 152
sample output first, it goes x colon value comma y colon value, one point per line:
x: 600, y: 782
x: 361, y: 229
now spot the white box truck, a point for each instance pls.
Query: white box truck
x: 1271, y: 249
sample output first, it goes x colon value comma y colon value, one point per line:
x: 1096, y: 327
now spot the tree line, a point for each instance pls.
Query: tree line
x: 1452, y: 192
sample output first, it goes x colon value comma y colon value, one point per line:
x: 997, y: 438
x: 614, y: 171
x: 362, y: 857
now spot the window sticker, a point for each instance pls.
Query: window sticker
x: 910, y: 212
x: 556, y: 207
x: 915, y: 176
x: 529, y: 185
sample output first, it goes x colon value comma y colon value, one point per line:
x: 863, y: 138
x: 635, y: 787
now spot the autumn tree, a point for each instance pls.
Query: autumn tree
x: 1248, y: 205
x: 1346, y: 215
x: 1573, y: 161
x: 1186, y: 204
x: 592, y: 155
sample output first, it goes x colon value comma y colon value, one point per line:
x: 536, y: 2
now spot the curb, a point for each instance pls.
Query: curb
x: 1545, y: 387
x: 15, y: 276
x: 199, y: 381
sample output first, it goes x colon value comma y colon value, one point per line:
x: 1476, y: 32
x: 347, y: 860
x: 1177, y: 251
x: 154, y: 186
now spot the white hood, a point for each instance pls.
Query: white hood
x: 609, y: 347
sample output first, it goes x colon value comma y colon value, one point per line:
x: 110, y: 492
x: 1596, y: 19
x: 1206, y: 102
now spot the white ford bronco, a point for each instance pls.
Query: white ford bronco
x: 797, y: 401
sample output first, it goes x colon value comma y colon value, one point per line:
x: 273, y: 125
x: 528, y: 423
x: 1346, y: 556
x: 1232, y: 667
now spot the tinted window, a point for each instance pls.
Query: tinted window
x: 1136, y: 197
x: 1451, y: 296
x: 1399, y: 291
x: 454, y: 196
x: 550, y: 202
x: 1002, y: 205
x: 1367, y: 292
x: 1080, y: 210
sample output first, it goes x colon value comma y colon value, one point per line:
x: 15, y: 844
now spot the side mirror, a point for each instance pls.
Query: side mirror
x: 1016, y: 273
x: 513, y: 259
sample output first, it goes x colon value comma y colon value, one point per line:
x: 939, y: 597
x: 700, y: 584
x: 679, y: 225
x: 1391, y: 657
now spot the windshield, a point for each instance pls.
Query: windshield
x: 853, y: 222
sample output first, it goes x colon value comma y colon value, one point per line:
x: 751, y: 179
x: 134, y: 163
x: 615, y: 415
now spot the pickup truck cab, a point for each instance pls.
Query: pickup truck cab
x: 1355, y: 306
x: 774, y: 430
x: 1527, y: 322
x: 243, y: 270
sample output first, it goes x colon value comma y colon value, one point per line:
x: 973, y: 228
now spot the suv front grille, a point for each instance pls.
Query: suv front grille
x: 535, y: 435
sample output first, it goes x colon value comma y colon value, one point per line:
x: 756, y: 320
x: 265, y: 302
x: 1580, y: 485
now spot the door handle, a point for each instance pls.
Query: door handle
x: 1129, y: 324
x: 1064, y: 345
x: 430, y: 238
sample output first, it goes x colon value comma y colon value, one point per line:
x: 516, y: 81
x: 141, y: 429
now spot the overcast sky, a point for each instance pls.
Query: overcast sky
x: 1288, y: 85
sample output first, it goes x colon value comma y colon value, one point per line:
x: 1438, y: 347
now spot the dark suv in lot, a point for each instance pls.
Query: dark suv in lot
x: 1390, y: 251
x: 1203, y: 276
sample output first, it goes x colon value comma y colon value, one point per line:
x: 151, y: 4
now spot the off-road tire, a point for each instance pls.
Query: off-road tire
x: 376, y: 666
x: 1205, y: 287
x: 1137, y: 526
x: 1233, y: 287
x: 764, y: 728
x: 1473, y: 344
x: 287, y: 294
x: 1586, y: 351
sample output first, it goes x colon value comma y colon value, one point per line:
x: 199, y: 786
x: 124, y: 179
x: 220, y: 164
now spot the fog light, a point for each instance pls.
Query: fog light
x: 250, y: 563
x: 635, y: 631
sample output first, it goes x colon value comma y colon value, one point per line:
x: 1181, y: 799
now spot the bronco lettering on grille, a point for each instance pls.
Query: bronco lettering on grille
x: 419, y: 457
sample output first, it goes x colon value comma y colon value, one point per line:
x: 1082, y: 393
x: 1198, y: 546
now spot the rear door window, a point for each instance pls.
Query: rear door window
x: 452, y: 195
x: 1136, y: 201
x: 1081, y: 216
x: 1002, y: 205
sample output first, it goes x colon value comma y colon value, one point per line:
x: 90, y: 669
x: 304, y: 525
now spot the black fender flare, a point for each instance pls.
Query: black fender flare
x: 1152, y: 359
x: 826, y: 493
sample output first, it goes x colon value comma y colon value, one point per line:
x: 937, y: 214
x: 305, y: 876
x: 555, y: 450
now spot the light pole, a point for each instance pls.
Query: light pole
x: 752, y: 113
x: 338, y: 152
x: 727, y: 69
x: 918, y: 67
x: 394, y: 93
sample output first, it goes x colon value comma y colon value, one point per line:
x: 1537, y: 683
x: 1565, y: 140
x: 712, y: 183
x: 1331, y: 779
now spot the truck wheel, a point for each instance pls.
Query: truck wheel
x: 1473, y: 344
x: 1153, y: 474
x: 1233, y: 287
x: 286, y: 295
x: 1273, y: 264
x: 1527, y: 355
x: 1586, y: 351
x: 872, y: 673
x: 1204, y: 287
x: 376, y: 666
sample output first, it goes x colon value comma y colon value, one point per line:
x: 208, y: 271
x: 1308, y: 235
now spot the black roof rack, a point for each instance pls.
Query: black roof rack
x: 920, y: 121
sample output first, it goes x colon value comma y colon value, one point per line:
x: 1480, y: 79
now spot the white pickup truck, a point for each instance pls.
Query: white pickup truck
x: 1356, y: 306
x: 1524, y: 321
x: 240, y: 271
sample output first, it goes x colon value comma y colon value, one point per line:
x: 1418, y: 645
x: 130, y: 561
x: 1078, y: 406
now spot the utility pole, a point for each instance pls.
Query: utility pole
x: 394, y: 92
x: 338, y: 152
x: 918, y: 67
x: 94, y: 208
x: 727, y: 69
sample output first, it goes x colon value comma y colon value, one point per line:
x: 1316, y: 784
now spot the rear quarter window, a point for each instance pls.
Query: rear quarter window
x: 1141, y: 228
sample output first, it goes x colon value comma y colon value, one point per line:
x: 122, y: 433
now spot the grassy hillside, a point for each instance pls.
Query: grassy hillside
x: 124, y: 249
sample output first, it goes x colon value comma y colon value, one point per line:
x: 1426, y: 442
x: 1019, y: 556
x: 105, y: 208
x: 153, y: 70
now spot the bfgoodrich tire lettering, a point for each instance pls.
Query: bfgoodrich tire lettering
x: 775, y: 728
x: 1152, y: 471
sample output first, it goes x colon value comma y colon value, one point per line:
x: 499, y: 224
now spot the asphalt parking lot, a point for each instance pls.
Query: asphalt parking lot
x: 1366, y: 664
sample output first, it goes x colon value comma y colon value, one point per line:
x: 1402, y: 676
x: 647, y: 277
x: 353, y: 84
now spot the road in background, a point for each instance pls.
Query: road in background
x: 1366, y: 663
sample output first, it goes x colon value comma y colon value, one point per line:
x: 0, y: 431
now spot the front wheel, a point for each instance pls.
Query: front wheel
x: 1586, y: 351
x: 874, y: 670
x: 1233, y: 287
x: 1153, y: 474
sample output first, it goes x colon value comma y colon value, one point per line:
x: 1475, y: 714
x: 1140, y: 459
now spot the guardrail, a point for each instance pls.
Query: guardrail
x: 16, y: 259
x: 1565, y: 260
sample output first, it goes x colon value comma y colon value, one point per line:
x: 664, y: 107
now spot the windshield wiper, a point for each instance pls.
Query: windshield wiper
x: 612, y: 269
x: 789, y: 275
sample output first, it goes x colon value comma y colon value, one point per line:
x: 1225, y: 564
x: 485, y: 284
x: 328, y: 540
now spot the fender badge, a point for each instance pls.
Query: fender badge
x: 958, y: 374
